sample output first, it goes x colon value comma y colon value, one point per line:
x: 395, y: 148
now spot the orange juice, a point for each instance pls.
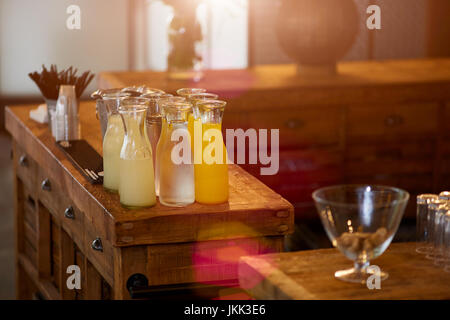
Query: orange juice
x: 211, y: 179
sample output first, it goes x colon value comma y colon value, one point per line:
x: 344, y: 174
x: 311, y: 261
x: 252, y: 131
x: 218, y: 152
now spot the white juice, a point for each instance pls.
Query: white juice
x: 137, y: 183
x: 112, y: 144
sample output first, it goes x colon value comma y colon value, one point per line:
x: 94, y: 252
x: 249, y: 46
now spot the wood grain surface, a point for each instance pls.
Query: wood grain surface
x: 310, y: 275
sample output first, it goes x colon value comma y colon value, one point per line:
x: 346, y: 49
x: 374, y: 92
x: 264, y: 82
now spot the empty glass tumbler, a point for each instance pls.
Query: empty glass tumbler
x: 176, y: 176
x: 136, y: 183
x: 435, y: 208
x: 423, y: 245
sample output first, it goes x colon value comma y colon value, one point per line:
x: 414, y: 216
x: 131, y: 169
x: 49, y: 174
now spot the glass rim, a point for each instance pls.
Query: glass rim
x: 211, y: 104
x: 213, y: 96
x: 179, y: 106
x: 181, y: 92
x: 318, y: 199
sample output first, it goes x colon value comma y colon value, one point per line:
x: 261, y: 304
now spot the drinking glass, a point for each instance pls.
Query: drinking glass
x: 176, y: 176
x: 360, y: 221
x: 446, y: 242
x: 423, y: 245
x: 434, y: 212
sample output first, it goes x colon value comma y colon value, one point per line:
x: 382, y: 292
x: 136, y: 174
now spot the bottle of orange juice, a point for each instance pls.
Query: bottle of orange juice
x: 210, y: 155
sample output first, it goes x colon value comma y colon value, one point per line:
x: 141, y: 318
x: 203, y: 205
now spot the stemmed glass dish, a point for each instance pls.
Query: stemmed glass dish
x: 361, y: 221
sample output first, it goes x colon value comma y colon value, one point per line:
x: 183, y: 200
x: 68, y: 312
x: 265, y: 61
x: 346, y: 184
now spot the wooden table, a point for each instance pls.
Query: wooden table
x: 375, y: 122
x: 310, y: 275
x: 59, y: 215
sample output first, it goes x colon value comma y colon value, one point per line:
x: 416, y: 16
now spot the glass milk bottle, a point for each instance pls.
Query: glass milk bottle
x: 136, y: 183
x: 164, y: 101
x: 112, y: 141
x: 176, y: 168
x: 210, y: 154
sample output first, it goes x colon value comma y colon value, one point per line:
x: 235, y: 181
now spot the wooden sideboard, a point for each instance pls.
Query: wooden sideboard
x: 377, y: 122
x: 61, y: 220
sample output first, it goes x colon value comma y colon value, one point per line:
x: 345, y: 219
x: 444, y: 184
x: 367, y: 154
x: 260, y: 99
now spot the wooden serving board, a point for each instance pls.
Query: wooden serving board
x: 310, y: 275
x: 253, y: 209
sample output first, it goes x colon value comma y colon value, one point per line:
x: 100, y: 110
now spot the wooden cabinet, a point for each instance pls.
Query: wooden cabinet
x: 377, y: 122
x: 62, y: 220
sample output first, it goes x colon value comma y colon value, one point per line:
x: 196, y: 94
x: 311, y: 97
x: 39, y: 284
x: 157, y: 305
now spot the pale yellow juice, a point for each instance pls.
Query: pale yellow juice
x: 137, y: 183
x: 112, y: 144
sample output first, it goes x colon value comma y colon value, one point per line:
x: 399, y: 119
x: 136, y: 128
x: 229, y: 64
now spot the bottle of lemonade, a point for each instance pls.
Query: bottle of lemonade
x: 211, y: 170
x: 136, y: 183
x: 112, y: 141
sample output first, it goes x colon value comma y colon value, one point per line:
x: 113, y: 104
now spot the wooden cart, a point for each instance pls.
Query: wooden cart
x: 61, y: 220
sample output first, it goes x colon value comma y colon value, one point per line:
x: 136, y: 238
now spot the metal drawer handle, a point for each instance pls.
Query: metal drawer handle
x: 295, y: 123
x: 46, y: 185
x: 97, y: 244
x: 393, y: 120
x: 69, y: 213
x: 23, y: 161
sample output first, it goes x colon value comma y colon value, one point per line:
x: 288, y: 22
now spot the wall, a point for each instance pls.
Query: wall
x: 402, y: 34
x: 33, y: 33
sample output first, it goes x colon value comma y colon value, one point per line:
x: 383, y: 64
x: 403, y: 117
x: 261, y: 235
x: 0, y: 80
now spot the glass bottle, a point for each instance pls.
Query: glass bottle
x: 112, y: 140
x: 210, y: 161
x: 154, y: 119
x: 177, y: 170
x: 164, y: 101
x: 137, y: 183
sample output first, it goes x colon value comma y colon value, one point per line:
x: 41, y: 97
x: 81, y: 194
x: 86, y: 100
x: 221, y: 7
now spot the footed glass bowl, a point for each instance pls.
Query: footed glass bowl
x: 360, y: 221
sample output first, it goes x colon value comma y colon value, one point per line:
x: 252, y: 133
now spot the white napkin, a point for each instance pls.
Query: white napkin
x: 40, y: 114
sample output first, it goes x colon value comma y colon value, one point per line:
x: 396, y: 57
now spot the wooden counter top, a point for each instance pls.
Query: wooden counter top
x: 310, y: 275
x: 253, y: 209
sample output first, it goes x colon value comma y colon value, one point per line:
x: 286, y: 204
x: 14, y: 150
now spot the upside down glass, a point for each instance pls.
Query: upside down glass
x: 423, y: 245
x: 361, y: 221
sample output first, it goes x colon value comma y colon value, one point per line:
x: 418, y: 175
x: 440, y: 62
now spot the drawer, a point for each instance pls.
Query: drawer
x: 388, y: 167
x: 26, y: 168
x: 302, y: 127
x: 99, y: 251
x: 49, y: 193
x: 29, y: 210
x: 392, y: 121
x: 72, y: 220
x: 370, y: 152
